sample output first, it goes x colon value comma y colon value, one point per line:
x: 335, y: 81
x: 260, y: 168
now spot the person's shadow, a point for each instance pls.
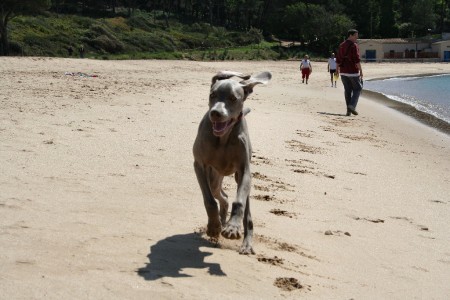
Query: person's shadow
x: 170, y: 256
x: 330, y: 114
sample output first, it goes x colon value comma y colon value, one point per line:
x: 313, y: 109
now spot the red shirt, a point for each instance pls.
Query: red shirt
x: 348, y: 57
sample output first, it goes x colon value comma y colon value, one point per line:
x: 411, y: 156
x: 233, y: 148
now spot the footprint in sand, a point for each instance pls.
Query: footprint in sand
x: 260, y: 188
x: 288, y: 284
x: 283, y: 246
x: 410, y: 221
x: 258, y: 160
x: 438, y: 201
x: 369, y: 220
x: 274, y: 261
x: 302, y: 147
x: 273, y: 184
x: 280, y: 212
x: 337, y: 232
x: 305, y: 166
x: 307, y: 134
x: 269, y: 198
x: 263, y: 197
x: 259, y: 176
x: 358, y: 173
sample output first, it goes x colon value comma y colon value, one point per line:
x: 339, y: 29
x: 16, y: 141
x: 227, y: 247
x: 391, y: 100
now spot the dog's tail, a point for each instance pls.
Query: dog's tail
x: 245, y: 111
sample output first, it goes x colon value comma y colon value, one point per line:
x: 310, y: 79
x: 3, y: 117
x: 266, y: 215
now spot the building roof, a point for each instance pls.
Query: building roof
x: 385, y: 41
x: 442, y: 42
x: 402, y: 41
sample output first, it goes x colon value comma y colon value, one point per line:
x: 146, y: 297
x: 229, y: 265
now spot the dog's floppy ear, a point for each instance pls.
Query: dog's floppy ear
x: 248, y: 84
x: 228, y: 74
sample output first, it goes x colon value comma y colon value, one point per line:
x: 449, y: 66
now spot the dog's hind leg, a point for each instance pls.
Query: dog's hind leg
x: 218, y: 193
x: 247, y: 244
x: 223, y: 200
x: 214, y: 226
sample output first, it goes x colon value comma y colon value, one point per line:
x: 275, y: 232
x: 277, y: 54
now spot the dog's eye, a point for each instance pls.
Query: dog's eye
x: 212, y: 95
x: 232, y: 98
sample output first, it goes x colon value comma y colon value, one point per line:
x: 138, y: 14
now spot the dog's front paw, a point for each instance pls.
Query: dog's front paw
x: 231, y: 232
x: 246, y: 249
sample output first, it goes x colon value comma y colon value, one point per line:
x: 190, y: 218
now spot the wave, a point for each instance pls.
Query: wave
x: 409, y: 77
x: 426, y: 108
x: 428, y: 94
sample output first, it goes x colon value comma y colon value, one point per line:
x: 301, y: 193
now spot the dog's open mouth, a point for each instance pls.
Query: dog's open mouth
x: 219, y: 128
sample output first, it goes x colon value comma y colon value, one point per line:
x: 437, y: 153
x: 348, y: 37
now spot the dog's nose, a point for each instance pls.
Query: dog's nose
x: 218, y: 111
x: 215, y: 114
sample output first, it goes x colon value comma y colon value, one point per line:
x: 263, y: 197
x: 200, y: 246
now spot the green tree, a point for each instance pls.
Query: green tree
x: 294, y: 21
x: 387, y: 19
x: 443, y: 8
x: 315, y: 26
x: 11, y: 8
x: 423, y: 17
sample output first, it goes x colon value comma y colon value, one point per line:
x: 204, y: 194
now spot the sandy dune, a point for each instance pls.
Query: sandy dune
x: 99, y: 200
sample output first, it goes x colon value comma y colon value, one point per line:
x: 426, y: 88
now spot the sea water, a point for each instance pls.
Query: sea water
x: 429, y: 94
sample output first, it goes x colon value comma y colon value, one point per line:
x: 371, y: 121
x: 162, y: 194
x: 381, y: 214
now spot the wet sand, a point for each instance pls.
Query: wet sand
x: 411, y: 111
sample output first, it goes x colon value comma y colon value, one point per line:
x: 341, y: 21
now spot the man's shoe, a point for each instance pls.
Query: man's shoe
x: 352, y: 110
x: 348, y: 113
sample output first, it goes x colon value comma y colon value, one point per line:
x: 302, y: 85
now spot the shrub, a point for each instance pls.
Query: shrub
x: 118, y: 23
x: 142, y: 35
x: 142, y: 22
x: 106, y: 44
x: 98, y: 30
x: 15, y: 48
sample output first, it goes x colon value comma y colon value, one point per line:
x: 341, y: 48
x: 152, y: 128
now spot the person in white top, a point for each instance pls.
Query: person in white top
x: 306, y: 68
x: 332, y: 69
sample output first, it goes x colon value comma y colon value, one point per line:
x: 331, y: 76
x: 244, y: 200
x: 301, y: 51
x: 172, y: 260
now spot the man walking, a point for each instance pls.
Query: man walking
x: 349, y: 67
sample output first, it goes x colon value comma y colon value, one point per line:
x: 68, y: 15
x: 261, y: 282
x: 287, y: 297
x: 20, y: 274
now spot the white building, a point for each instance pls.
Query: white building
x: 404, y: 49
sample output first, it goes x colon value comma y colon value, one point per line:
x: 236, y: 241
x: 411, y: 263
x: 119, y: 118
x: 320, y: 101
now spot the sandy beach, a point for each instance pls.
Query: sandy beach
x: 99, y: 200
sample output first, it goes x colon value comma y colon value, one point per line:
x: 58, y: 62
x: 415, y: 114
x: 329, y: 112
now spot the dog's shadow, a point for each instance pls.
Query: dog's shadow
x: 168, y: 257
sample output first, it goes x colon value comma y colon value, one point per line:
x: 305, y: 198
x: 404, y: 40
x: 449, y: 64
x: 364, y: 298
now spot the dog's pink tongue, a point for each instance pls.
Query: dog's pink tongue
x: 219, y: 126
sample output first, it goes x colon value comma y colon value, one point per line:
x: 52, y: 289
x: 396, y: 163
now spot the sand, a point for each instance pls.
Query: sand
x: 99, y: 200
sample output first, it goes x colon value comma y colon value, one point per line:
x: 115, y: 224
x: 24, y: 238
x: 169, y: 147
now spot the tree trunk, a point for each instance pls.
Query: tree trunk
x: 4, y: 43
x: 210, y: 9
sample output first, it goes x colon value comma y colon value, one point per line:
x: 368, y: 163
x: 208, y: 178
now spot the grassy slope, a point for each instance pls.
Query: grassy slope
x: 141, y: 36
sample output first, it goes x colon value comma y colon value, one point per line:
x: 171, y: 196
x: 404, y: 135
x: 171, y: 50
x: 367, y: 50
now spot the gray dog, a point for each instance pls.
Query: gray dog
x: 222, y: 148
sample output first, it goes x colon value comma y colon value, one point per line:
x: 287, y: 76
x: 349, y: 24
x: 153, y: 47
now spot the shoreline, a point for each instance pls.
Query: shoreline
x: 408, y: 76
x: 409, y: 110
